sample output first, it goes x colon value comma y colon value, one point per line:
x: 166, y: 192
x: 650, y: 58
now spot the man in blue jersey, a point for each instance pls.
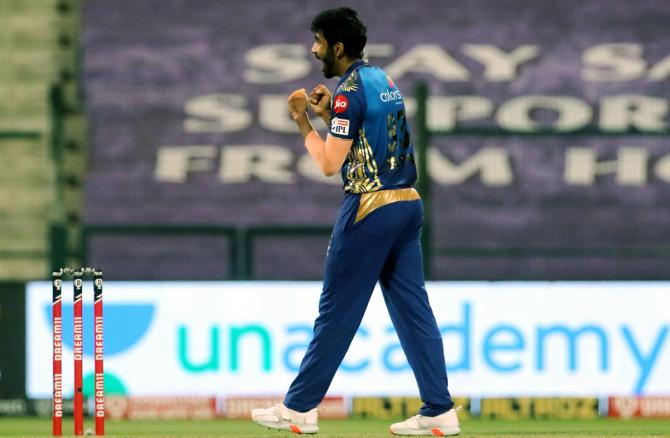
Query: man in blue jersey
x: 376, y: 234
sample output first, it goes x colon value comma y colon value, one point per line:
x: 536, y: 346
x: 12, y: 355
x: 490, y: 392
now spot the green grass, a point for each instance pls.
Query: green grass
x: 350, y: 428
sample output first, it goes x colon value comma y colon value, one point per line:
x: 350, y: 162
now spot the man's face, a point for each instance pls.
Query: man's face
x: 325, y: 54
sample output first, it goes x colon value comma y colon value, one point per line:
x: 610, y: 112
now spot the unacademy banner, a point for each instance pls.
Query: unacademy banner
x: 557, y: 154
x: 501, y: 339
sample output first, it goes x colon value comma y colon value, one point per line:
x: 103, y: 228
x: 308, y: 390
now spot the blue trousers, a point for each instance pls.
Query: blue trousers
x: 384, y: 246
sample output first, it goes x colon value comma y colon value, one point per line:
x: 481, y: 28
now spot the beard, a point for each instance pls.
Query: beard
x: 328, y: 61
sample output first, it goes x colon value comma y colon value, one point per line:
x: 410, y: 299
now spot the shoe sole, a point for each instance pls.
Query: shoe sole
x: 304, y: 429
x: 436, y: 431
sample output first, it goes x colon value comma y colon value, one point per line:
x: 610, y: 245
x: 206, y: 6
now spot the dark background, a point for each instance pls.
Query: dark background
x: 139, y: 77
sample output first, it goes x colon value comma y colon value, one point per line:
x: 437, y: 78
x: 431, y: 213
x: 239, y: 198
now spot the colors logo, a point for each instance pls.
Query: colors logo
x: 390, y: 96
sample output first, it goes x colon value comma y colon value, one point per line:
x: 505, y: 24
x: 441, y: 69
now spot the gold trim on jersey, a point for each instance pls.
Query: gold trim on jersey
x: 349, y: 84
x: 361, y: 164
x: 371, y: 201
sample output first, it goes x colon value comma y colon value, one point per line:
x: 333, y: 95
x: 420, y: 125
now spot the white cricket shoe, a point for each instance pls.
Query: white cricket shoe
x: 441, y: 425
x: 282, y: 418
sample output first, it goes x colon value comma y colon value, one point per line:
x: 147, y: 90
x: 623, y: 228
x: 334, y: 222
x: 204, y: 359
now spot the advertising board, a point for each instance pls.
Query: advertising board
x: 501, y: 339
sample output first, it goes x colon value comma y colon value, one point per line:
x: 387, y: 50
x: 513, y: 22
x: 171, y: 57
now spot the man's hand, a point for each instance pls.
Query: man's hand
x: 319, y: 99
x: 297, y: 104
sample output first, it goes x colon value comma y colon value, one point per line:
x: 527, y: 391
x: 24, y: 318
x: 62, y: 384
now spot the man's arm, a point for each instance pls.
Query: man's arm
x: 329, y: 154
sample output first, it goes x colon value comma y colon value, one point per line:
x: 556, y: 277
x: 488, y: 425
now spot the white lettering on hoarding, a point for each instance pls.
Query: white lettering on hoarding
x: 491, y: 166
x: 277, y: 63
x: 621, y: 112
x: 606, y: 62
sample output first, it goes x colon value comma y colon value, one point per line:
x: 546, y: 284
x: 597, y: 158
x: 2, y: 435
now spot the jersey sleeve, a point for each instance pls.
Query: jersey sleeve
x: 346, y: 113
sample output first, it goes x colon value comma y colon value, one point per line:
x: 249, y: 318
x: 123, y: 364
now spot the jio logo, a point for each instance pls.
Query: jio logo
x: 341, y: 103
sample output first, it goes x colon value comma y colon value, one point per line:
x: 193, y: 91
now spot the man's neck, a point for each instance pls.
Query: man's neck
x: 345, y: 64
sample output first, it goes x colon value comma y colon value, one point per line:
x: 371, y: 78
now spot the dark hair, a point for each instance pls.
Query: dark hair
x: 342, y: 25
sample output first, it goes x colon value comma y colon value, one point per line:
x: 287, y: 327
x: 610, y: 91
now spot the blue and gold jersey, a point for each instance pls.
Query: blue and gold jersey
x: 368, y: 108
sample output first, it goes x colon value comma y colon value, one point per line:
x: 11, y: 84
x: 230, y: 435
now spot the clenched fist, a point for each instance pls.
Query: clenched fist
x: 297, y: 103
x: 319, y: 98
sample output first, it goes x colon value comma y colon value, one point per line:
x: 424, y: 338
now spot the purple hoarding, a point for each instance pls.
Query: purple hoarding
x: 187, y: 104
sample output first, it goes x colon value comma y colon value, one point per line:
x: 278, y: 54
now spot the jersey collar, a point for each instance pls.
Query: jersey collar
x: 352, y: 68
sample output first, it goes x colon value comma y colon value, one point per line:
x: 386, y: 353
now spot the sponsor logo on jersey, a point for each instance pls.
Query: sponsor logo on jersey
x: 340, y: 104
x: 339, y: 126
x: 390, y: 96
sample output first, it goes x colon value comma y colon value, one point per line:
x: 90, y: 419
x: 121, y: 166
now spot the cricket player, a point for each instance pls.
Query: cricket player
x: 376, y: 234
